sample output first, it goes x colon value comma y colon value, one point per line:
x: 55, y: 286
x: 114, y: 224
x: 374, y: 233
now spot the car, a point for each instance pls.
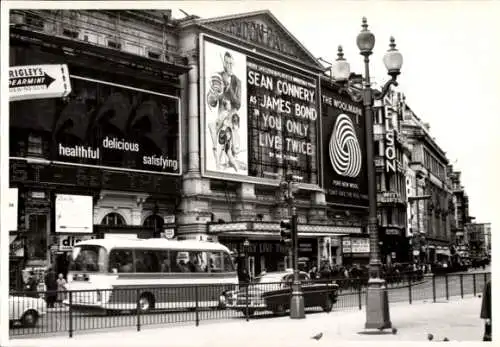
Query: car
x: 272, y: 291
x: 26, y: 310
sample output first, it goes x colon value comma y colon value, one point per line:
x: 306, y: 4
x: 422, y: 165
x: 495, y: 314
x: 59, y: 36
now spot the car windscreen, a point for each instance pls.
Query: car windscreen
x: 89, y: 258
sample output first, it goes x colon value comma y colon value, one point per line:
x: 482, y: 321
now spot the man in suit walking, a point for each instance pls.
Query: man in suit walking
x: 486, y: 311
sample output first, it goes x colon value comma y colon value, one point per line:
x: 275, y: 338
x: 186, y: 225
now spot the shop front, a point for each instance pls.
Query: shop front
x: 394, y: 246
x: 259, y: 243
x: 438, y: 251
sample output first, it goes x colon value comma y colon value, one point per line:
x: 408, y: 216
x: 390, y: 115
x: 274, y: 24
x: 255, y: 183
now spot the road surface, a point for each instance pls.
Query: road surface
x: 58, y: 321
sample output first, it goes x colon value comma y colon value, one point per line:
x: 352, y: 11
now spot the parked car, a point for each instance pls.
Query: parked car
x: 272, y: 292
x: 26, y: 310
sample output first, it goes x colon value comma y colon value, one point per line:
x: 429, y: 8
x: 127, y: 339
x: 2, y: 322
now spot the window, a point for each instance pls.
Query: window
x: 113, y: 219
x: 35, y: 145
x: 387, y: 182
x: 147, y: 261
x: 121, y: 260
x: 154, y: 221
x: 200, y: 261
x: 379, y: 182
x: 228, y: 265
x: 88, y: 258
x: 389, y: 216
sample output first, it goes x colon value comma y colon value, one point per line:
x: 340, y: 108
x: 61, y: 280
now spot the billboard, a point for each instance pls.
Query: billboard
x: 74, y: 214
x: 260, y: 117
x: 12, y: 215
x: 344, y: 151
x: 106, y: 125
x: 38, y: 82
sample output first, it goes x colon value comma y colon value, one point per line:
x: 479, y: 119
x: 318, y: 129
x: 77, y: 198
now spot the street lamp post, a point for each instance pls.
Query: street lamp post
x: 377, y: 303
x: 297, y: 298
x: 246, y: 248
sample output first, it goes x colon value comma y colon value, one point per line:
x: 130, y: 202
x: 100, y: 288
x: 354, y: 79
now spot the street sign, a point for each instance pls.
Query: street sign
x: 38, y: 82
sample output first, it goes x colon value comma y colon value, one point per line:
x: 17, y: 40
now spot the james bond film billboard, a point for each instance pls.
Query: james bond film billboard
x: 261, y: 119
x: 344, y: 152
x: 106, y: 125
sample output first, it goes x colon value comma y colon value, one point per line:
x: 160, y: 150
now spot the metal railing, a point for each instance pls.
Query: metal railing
x: 138, y: 307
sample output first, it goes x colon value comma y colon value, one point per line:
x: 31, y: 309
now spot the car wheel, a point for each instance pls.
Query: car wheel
x: 279, y: 310
x: 29, y: 319
x: 146, y: 302
x: 327, y: 305
x: 251, y: 311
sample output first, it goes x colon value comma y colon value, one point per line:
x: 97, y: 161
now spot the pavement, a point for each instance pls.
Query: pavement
x: 456, y: 320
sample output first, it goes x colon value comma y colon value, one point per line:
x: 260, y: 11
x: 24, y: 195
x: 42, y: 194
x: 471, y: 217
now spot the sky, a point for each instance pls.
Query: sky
x: 450, y: 73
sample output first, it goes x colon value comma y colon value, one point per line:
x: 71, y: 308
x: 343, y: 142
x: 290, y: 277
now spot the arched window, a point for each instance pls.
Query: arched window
x: 154, y: 221
x: 113, y: 219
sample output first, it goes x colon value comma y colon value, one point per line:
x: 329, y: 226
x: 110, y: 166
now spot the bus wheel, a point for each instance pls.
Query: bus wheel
x: 146, y: 302
x: 29, y: 319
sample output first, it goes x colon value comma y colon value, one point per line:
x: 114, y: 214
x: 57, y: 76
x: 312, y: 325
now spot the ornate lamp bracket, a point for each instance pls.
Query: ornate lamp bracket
x: 377, y: 95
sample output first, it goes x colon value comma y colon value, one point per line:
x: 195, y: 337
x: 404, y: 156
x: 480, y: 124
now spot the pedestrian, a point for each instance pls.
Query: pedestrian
x: 486, y: 311
x: 61, y: 289
x: 243, y: 277
x: 31, y: 285
x: 51, y: 285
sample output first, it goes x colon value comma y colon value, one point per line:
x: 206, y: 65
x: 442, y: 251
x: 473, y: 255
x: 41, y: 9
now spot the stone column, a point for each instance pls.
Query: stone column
x: 193, y: 131
x: 317, y: 212
x: 194, y: 208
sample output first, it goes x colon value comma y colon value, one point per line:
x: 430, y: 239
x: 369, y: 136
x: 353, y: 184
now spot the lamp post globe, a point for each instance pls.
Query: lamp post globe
x: 365, y: 39
x: 341, y: 70
x: 393, y: 59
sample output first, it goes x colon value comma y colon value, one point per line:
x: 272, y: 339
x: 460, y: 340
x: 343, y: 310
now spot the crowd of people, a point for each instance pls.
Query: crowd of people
x: 55, y: 287
x: 354, y: 274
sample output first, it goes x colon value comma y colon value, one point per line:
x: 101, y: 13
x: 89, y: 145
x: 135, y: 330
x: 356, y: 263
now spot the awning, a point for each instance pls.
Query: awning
x: 272, y: 230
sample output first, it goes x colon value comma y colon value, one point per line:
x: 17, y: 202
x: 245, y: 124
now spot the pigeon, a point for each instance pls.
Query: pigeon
x: 394, y: 331
x: 430, y: 337
x: 317, y: 336
x: 446, y: 339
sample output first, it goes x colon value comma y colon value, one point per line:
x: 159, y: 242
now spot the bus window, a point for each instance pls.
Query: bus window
x: 214, y: 262
x: 146, y: 261
x: 164, y: 261
x: 121, y: 260
x: 188, y: 261
x: 228, y: 263
x: 88, y: 258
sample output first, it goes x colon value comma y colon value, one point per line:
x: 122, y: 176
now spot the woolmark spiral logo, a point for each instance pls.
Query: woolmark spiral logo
x: 345, y: 153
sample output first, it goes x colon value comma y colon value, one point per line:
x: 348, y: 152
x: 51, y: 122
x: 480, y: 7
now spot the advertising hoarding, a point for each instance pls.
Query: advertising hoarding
x: 344, y: 151
x: 38, y: 82
x: 12, y: 214
x: 355, y: 245
x: 74, y: 214
x: 67, y: 242
x: 106, y: 125
x: 260, y: 118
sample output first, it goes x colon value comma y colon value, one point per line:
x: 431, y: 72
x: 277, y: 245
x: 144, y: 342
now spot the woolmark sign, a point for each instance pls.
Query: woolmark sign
x: 38, y: 82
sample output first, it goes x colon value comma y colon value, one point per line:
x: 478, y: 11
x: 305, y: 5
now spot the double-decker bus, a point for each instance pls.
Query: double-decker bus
x: 122, y: 275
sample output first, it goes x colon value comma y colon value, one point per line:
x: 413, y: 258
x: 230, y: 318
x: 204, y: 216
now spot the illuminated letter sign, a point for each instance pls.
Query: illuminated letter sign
x: 390, y: 152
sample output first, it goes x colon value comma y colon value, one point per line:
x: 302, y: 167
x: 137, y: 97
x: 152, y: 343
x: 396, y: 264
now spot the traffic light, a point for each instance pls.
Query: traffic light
x: 286, y: 232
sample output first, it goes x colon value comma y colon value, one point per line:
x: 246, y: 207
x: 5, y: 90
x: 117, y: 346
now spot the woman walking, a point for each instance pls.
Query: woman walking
x: 61, y: 289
